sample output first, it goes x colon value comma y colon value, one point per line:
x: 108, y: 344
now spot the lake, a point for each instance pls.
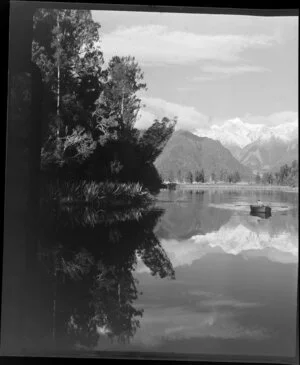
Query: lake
x: 193, y: 274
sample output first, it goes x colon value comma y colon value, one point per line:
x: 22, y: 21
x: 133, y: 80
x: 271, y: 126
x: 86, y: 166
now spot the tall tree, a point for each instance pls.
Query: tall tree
x: 234, y: 177
x: 202, y: 175
x: 155, y: 138
x: 66, y: 49
x: 267, y: 178
x: 237, y: 177
x: 224, y: 175
x: 197, y: 176
x: 213, y: 176
x: 118, y: 106
x: 257, y: 179
x: 190, y: 177
x: 287, y: 175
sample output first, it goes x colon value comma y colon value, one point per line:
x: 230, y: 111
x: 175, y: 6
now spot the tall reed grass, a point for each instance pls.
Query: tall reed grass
x: 91, y: 192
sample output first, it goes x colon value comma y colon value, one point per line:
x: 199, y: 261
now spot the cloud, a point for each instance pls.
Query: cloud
x: 186, y: 88
x: 188, y: 117
x: 145, y: 118
x: 215, y: 72
x: 159, y: 45
x: 233, y: 303
x: 273, y: 119
x: 165, y: 324
x: 207, y: 78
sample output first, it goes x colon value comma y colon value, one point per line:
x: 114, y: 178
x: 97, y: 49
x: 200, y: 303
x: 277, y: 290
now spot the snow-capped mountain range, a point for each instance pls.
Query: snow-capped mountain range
x: 237, y: 132
x: 256, y: 145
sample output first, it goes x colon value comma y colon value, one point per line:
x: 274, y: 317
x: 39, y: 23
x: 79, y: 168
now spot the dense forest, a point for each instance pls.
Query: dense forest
x: 199, y: 176
x: 90, y: 110
x: 287, y: 175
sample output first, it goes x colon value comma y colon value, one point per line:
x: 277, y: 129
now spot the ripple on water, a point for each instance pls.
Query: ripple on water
x: 245, y: 207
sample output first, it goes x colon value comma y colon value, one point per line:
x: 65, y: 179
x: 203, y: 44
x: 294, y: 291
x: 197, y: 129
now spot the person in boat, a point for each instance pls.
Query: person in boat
x: 260, y: 203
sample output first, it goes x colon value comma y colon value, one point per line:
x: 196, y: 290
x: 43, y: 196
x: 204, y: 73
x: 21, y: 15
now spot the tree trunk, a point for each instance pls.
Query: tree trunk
x: 122, y: 112
x: 122, y: 105
x: 58, y: 88
x: 58, y: 80
x: 119, y: 294
x: 54, y: 308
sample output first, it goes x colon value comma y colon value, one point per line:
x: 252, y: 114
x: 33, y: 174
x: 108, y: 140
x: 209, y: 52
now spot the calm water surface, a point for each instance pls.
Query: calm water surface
x: 196, y: 273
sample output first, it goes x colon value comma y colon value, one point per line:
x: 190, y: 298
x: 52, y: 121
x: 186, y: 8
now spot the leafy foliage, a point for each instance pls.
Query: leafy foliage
x: 190, y: 177
x: 103, y: 193
x: 154, y: 139
x: 65, y: 47
x: 200, y: 176
x: 74, y: 265
x: 117, y: 108
x: 267, y: 178
x: 234, y: 177
x: 89, y: 111
x: 287, y: 175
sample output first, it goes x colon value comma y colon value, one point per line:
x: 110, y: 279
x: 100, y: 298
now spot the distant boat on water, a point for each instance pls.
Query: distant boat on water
x: 260, y: 210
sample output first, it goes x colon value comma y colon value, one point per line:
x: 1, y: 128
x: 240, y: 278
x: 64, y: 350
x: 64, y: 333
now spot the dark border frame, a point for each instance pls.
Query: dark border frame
x: 230, y: 10
x: 216, y: 9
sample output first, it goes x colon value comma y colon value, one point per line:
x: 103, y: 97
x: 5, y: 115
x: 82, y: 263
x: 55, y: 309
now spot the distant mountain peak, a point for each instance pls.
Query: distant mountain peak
x: 186, y: 133
x: 257, y: 146
x: 236, y: 132
x: 185, y: 152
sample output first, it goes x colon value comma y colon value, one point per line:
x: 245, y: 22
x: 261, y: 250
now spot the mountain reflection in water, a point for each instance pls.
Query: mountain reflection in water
x: 241, y: 234
x: 236, y: 282
x: 180, y: 276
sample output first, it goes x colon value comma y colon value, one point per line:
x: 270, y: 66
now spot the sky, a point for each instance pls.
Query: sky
x: 206, y: 69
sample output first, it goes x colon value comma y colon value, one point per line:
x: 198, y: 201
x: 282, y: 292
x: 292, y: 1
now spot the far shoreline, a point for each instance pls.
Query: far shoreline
x: 212, y: 186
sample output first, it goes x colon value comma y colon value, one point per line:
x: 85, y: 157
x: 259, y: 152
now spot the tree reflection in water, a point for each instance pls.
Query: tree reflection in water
x: 91, y: 257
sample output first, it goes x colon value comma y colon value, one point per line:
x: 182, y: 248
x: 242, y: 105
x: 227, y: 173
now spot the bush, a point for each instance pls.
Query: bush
x: 108, y: 193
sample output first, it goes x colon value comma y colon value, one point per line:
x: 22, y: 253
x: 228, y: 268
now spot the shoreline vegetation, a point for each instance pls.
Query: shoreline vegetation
x: 246, y: 186
x: 109, y: 195
x: 99, y: 194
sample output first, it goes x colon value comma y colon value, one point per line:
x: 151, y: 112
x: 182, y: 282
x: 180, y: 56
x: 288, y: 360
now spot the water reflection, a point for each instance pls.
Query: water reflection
x: 236, y: 283
x: 91, y: 257
x: 228, y: 231
x: 188, y: 213
x: 261, y: 215
x: 245, y: 235
x: 107, y: 278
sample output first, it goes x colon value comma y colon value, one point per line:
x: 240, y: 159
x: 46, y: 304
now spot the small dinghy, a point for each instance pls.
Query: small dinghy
x: 260, y: 210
